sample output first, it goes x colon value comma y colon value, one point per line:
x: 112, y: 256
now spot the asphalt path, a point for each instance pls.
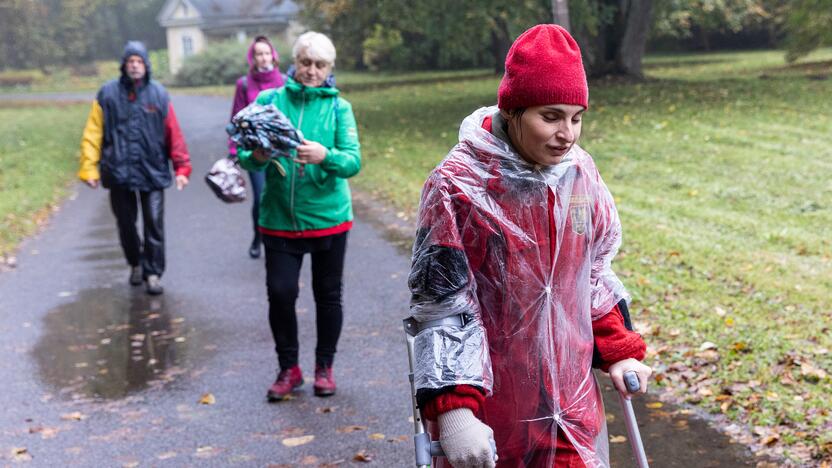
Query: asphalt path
x: 97, y: 373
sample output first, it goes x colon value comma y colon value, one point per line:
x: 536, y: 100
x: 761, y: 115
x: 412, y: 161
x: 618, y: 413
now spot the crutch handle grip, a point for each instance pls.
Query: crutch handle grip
x: 631, y: 381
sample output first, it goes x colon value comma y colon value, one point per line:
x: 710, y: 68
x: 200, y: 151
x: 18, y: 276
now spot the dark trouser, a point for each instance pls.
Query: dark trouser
x: 283, y: 261
x: 124, y: 204
x: 258, y: 179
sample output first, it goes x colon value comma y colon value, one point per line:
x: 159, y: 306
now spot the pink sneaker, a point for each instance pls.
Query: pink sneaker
x: 324, y: 382
x: 287, y: 381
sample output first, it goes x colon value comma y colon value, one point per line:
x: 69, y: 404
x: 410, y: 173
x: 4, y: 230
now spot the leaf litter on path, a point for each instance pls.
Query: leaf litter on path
x: 296, y: 441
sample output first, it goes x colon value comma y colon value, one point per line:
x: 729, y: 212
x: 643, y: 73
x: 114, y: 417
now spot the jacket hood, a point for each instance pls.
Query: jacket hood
x: 135, y: 48
x: 484, y: 143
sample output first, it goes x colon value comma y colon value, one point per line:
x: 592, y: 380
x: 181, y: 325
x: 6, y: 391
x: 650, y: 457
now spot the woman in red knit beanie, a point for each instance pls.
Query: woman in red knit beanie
x: 512, y: 279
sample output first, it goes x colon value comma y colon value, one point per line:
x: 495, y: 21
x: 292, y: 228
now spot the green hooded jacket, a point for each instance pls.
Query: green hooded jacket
x: 320, y: 197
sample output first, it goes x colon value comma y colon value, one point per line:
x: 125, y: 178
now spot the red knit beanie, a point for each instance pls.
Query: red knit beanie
x: 543, y: 67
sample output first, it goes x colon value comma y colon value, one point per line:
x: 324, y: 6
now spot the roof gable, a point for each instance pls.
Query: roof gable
x: 211, y: 13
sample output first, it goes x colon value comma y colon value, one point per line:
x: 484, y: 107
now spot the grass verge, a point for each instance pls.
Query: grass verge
x: 38, y: 161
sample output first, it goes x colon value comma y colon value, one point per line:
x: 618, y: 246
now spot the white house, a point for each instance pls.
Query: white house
x: 190, y: 24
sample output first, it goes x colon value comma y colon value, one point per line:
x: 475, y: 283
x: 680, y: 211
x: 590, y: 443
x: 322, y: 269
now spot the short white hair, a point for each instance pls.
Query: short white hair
x: 315, y: 46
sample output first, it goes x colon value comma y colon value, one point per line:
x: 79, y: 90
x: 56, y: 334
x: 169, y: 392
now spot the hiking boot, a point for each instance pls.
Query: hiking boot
x: 154, y: 285
x: 136, y: 275
x: 324, y: 381
x: 254, y: 250
x: 287, y: 380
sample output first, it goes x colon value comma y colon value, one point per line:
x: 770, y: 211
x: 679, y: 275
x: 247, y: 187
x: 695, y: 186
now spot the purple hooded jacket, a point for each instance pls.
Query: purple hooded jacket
x: 255, y: 81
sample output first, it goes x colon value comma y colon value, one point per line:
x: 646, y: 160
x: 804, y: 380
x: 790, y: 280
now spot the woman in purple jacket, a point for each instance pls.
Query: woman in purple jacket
x: 262, y: 74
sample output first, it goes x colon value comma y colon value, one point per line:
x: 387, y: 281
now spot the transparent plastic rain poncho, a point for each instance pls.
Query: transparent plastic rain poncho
x: 525, y: 252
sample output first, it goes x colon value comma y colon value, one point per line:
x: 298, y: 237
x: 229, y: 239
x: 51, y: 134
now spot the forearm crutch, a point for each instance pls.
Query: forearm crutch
x: 426, y: 448
x: 632, y: 384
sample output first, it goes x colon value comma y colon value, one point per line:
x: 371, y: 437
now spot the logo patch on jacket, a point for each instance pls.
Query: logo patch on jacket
x: 579, y: 213
x: 151, y: 108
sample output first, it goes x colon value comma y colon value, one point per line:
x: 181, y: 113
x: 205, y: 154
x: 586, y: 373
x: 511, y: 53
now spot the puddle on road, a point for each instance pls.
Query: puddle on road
x: 109, y: 343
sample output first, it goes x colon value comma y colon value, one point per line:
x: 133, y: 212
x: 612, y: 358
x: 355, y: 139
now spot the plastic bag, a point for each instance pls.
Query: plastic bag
x: 226, y: 180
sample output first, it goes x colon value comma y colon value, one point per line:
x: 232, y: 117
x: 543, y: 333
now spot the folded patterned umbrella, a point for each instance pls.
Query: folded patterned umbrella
x: 257, y: 126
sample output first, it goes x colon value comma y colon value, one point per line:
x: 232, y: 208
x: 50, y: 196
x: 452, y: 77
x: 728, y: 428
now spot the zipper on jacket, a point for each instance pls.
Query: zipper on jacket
x: 294, y: 170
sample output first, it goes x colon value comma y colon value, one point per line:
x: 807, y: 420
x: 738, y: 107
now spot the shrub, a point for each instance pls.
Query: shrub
x: 218, y: 64
x: 161, y: 66
x: 383, y: 48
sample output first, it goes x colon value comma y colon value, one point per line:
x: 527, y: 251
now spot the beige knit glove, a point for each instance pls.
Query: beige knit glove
x: 465, y: 440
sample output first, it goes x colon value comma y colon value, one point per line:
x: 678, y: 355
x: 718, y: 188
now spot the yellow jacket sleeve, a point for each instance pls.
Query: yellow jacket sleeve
x: 91, y: 143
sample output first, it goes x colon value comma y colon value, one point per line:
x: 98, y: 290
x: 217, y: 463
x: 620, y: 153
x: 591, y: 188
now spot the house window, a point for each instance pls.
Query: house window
x: 187, y: 46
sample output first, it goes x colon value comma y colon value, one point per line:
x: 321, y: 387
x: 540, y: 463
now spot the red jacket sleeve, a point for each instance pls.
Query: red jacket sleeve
x: 175, y: 143
x: 462, y: 396
x: 614, y: 341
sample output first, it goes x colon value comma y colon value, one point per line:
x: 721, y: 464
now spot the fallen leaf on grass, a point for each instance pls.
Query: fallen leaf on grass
x: 207, y: 399
x: 654, y: 405
x: 812, y: 373
x: 295, y: 441
x: 618, y: 439
x: 376, y: 436
x: 74, y: 416
x: 348, y: 429
x: 363, y: 456
x: 770, y: 439
x: 709, y: 355
x: 707, y: 345
x: 741, y: 347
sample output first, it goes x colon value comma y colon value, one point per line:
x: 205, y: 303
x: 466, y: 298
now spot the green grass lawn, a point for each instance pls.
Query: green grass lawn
x: 38, y: 161
x: 721, y: 167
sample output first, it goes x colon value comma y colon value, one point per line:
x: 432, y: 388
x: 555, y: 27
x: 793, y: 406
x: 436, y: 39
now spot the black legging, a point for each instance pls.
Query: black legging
x: 283, y: 261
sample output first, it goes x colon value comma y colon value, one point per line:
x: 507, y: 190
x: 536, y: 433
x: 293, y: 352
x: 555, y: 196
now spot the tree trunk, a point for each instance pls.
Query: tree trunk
x: 560, y: 13
x: 636, y: 28
x: 500, y: 43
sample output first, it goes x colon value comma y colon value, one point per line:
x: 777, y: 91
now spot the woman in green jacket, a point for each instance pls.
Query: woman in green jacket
x: 306, y: 208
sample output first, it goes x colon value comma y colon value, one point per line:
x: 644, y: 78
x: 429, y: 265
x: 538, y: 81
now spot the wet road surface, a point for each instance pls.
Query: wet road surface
x: 96, y: 373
